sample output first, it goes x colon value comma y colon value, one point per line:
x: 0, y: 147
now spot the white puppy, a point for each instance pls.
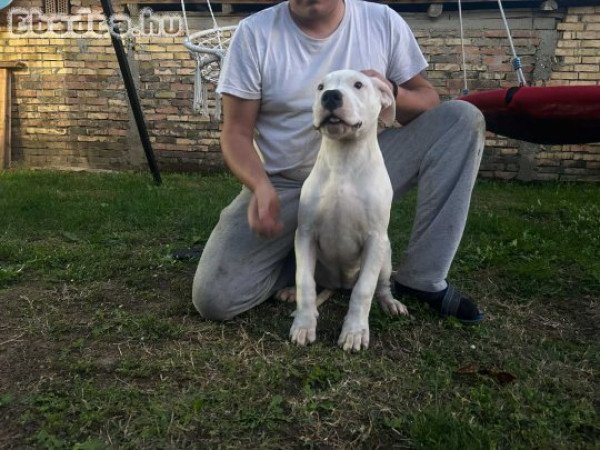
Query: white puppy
x: 341, y: 240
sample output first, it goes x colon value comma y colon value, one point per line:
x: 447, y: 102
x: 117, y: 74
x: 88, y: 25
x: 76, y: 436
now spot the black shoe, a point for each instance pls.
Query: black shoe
x: 449, y: 302
x: 188, y: 254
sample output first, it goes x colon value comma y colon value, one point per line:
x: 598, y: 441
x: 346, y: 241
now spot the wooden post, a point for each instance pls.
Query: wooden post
x: 5, y: 122
x: 5, y: 110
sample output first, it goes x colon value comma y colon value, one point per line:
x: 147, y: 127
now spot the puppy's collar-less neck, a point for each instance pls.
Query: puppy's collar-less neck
x: 348, y: 157
x: 361, y: 148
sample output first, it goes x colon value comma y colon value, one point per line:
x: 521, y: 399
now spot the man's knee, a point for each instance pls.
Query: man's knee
x: 211, y: 302
x: 219, y: 295
x: 464, y: 114
x: 211, y: 290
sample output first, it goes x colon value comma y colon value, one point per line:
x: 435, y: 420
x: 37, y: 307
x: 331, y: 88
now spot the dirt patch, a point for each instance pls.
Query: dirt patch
x: 44, y: 324
x: 24, y: 353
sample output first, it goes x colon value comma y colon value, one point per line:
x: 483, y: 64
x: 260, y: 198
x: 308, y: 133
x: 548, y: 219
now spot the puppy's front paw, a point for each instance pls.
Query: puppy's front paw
x: 354, y: 336
x: 392, y: 307
x: 304, y: 328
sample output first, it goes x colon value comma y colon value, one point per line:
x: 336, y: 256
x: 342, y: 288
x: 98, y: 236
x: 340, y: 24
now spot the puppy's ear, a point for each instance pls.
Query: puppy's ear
x: 388, y: 102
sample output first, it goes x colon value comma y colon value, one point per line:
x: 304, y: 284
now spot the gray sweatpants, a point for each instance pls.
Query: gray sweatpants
x: 439, y: 152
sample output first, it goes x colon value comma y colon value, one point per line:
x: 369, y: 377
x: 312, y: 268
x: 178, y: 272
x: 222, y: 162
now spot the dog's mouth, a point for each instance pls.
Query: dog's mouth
x: 332, y: 119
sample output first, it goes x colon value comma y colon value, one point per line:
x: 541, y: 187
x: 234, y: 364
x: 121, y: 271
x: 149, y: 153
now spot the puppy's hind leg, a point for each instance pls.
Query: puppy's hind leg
x: 287, y: 294
x: 388, y: 303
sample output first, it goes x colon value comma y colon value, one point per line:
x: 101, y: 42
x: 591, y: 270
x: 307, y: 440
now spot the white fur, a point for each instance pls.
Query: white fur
x: 341, y: 240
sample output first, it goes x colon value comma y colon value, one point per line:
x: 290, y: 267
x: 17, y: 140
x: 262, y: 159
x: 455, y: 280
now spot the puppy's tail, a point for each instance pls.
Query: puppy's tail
x: 323, y: 296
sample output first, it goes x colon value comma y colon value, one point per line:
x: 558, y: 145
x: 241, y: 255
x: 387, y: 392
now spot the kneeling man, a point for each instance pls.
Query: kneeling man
x: 275, y: 61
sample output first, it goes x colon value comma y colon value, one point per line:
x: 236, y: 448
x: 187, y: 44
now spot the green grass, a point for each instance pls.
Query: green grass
x: 100, y: 346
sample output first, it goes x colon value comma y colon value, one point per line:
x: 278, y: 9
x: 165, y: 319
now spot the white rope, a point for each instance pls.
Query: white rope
x: 215, y: 24
x: 185, y: 19
x: 462, y: 47
x: 516, y: 61
x: 198, y: 102
x: 203, y: 57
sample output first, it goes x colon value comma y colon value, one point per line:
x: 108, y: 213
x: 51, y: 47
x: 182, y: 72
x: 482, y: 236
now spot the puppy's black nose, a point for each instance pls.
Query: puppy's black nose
x: 331, y: 99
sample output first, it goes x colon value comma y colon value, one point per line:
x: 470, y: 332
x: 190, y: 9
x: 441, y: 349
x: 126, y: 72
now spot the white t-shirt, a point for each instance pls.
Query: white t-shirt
x: 271, y: 59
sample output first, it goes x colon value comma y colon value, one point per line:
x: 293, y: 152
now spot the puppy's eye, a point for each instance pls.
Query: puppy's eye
x: 358, y: 85
x: 320, y: 87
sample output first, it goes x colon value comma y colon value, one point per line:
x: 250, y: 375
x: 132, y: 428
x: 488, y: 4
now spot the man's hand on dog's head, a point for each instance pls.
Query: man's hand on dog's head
x: 263, y: 211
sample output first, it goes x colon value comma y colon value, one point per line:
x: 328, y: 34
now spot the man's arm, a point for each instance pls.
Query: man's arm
x: 237, y: 135
x: 415, y: 96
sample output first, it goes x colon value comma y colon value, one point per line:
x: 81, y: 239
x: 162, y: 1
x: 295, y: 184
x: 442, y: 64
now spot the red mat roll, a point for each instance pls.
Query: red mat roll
x: 543, y: 115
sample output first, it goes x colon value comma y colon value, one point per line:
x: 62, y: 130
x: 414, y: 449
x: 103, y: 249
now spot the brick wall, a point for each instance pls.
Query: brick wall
x: 70, y: 109
x: 488, y: 66
x: 61, y: 103
x: 182, y: 138
x: 577, y: 63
